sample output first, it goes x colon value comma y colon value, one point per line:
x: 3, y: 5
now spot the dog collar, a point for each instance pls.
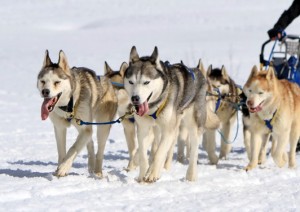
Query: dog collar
x: 269, y: 123
x: 158, y: 111
x: 68, y: 108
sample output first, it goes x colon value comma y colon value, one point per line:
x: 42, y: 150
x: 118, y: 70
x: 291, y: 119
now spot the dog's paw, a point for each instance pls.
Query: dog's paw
x: 280, y: 160
x: 150, y: 179
x: 98, y: 175
x: 213, y: 159
x: 249, y: 167
x: 151, y: 176
x: 191, y: 174
x: 63, y: 169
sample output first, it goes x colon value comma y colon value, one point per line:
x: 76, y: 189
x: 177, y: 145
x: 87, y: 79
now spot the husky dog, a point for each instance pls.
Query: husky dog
x: 76, y: 92
x: 274, y: 107
x: 227, y: 94
x: 183, y: 143
x: 124, y: 105
x: 247, y: 134
x: 164, y: 96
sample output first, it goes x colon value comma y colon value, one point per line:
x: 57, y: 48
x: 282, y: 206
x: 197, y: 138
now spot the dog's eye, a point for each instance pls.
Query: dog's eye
x: 130, y: 82
x: 260, y: 93
x: 250, y: 90
x: 56, y: 83
x: 146, y: 83
x: 43, y: 82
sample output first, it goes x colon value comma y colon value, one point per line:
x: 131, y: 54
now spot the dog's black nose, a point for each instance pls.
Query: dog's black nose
x: 135, y: 99
x: 45, y: 92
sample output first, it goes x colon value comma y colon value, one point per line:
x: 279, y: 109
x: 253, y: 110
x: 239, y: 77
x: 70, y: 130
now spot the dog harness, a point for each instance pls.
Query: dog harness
x: 269, y: 123
x: 69, y: 107
x: 156, y: 113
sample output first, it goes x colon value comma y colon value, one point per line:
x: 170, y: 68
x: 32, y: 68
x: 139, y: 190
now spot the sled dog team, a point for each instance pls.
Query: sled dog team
x: 171, y: 104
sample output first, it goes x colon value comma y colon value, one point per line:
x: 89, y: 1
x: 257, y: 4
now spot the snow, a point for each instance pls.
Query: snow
x: 228, y: 32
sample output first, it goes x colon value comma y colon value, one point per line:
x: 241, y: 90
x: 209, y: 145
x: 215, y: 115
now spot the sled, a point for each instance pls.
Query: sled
x: 284, y: 57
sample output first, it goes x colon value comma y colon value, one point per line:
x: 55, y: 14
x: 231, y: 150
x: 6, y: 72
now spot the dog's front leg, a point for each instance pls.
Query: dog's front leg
x: 102, y: 135
x: 256, y: 141
x: 168, y: 136
x: 130, y: 135
x: 143, y: 140
x: 60, y: 136
x: 85, y: 135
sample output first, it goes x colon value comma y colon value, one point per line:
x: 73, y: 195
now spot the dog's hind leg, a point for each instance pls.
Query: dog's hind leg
x: 91, y: 156
x: 280, y: 156
x: 293, y: 145
x: 195, y: 135
x: 210, y: 146
x: 182, y: 141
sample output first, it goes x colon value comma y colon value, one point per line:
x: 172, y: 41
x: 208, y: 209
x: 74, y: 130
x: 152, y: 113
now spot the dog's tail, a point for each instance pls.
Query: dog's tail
x: 212, y: 120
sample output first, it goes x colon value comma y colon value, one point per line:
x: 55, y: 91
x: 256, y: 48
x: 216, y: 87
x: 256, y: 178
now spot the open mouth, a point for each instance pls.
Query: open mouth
x: 143, y: 108
x: 48, y: 105
x: 256, y: 109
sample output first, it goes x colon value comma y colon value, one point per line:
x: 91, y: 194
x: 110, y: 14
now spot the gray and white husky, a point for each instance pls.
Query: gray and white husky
x: 164, y: 96
x: 76, y: 92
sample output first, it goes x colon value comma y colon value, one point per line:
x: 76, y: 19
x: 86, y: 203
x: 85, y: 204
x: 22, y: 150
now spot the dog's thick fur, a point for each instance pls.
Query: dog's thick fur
x: 174, y: 96
x: 277, y: 101
x: 228, y: 93
x: 91, y: 99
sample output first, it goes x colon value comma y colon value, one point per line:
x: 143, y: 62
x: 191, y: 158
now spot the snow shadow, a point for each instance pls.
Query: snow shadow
x: 25, y: 173
x: 41, y: 163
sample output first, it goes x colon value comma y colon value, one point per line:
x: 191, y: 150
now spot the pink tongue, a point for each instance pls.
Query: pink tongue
x: 256, y: 109
x: 45, y: 110
x: 143, y: 109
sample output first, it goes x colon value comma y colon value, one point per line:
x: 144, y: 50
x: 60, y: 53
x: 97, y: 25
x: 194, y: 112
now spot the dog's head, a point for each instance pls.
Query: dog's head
x: 143, y: 80
x: 116, y: 77
x: 54, y: 83
x: 219, y: 79
x: 259, y: 89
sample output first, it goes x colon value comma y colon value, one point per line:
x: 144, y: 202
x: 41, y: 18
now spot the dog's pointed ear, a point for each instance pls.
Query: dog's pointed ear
x: 107, y: 69
x: 123, y: 68
x: 63, y: 62
x: 271, y: 73
x: 254, y: 71
x: 224, y: 73
x: 47, y: 60
x: 208, y: 73
x: 155, y: 58
x: 134, y: 56
x: 200, y: 67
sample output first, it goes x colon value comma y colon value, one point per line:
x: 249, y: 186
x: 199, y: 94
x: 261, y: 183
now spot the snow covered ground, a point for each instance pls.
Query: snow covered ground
x: 228, y: 32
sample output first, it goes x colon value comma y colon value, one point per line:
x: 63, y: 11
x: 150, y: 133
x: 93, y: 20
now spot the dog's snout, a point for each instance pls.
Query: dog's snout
x: 135, y: 99
x: 45, y: 92
x: 249, y: 103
